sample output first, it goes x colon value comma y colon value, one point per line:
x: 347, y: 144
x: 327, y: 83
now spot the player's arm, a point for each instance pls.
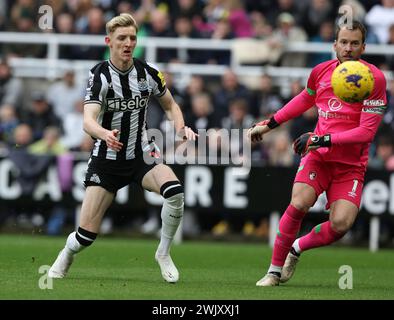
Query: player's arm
x: 174, y: 113
x: 364, y: 133
x: 294, y: 108
x: 91, y: 127
x: 370, y: 118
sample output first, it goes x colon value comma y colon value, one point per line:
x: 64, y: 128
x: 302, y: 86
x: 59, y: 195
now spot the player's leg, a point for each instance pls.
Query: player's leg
x: 303, y: 197
x: 95, y: 204
x: 344, y: 197
x: 161, y: 179
x: 342, y: 216
x: 343, y: 200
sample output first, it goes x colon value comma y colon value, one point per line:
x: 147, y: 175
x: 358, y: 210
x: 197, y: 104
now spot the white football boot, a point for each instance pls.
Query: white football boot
x: 269, y: 280
x: 61, y: 265
x: 168, y: 270
x: 289, y: 267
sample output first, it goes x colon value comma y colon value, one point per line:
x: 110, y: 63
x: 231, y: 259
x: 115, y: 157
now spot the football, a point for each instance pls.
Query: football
x: 352, y: 81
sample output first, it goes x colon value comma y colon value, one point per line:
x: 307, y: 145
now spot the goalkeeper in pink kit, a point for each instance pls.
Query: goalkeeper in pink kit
x: 334, y: 156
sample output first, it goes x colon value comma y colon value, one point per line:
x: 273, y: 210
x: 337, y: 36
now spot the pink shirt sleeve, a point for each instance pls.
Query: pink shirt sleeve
x: 301, y: 102
x: 371, y: 116
x: 295, y: 107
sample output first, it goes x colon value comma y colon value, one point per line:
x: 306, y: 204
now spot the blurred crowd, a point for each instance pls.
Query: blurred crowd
x: 276, y: 22
x: 42, y: 126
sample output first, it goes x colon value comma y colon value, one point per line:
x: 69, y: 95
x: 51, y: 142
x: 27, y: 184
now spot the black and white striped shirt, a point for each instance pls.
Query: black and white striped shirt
x: 123, y: 96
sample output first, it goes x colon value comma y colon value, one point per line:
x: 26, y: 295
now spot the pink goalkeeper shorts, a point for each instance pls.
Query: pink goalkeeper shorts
x: 339, y: 180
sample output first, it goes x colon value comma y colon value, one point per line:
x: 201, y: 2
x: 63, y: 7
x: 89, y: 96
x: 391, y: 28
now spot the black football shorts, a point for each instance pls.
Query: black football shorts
x: 113, y: 175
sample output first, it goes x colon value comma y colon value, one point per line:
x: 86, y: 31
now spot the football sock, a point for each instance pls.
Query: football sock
x: 275, y: 270
x: 295, y: 249
x: 171, y: 214
x: 294, y: 252
x: 289, y: 226
x: 79, y: 240
x: 321, y: 235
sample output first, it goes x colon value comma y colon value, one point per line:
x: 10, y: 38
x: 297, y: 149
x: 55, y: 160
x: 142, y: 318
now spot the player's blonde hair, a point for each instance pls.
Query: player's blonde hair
x: 123, y: 20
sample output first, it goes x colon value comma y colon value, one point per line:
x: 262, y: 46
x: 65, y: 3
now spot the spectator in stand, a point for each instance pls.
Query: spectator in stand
x: 202, y: 116
x: 266, y: 99
x: 49, y: 144
x: 390, y: 57
x: 213, y: 12
x: 63, y: 94
x: 287, y: 31
x: 72, y: 124
x: 296, y: 86
x: 31, y: 167
x: 195, y: 86
x: 326, y: 34
x: 280, y: 153
x: 238, y: 119
x: 40, y: 115
x: 239, y: 20
x: 95, y: 26
x: 22, y: 8
x: 191, y: 9
x: 317, y: 12
x: 58, y: 6
x: 230, y: 89
x: 3, y: 15
x: 64, y: 24
x: 222, y: 31
x: 274, y: 10
x: 23, y: 19
x: 8, y: 122
x: 261, y: 27
x: 79, y: 10
x: 184, y: 29
x: 384, y: 153
x: 388, y: 119
x: 380, y: 18
x: 160, y: 26
x: 11, y: 88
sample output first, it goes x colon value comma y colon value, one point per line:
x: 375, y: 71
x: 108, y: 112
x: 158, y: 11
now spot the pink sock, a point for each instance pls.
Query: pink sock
x: 321, y: 235
x: 289, y: 225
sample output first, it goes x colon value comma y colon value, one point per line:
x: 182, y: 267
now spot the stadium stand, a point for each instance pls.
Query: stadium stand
x: 233, y: 46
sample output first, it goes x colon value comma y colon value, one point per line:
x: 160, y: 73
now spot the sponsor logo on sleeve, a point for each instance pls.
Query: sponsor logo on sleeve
x: 374, y: 103
x: 374, y: 110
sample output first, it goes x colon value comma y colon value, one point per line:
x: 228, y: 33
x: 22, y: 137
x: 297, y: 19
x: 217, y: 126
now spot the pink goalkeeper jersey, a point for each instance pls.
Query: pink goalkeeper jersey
x: 352, y: 125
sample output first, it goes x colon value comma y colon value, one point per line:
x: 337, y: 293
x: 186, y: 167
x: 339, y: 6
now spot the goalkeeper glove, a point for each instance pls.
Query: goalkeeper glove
x: 271, y: 123
x: 310, y: 141
x: 257, y: 131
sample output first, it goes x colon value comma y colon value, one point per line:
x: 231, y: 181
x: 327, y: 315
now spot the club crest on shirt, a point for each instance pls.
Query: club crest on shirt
x: 142, y: 85
x: 312, y: 175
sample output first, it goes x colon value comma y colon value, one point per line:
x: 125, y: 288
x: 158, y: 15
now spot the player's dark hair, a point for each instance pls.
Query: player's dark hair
x: 354, y: 25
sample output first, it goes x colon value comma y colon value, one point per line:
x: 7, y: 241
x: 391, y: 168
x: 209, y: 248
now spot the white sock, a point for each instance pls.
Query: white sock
x: 171, y: 215
x: 296, y: 246
x: 273, y: 268
x: 72, y: 244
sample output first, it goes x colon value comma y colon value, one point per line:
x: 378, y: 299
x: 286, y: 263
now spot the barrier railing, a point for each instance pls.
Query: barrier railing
x: 51, y: 67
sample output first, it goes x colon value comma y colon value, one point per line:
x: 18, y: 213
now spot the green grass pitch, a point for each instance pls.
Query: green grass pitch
x: 117, y: 269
